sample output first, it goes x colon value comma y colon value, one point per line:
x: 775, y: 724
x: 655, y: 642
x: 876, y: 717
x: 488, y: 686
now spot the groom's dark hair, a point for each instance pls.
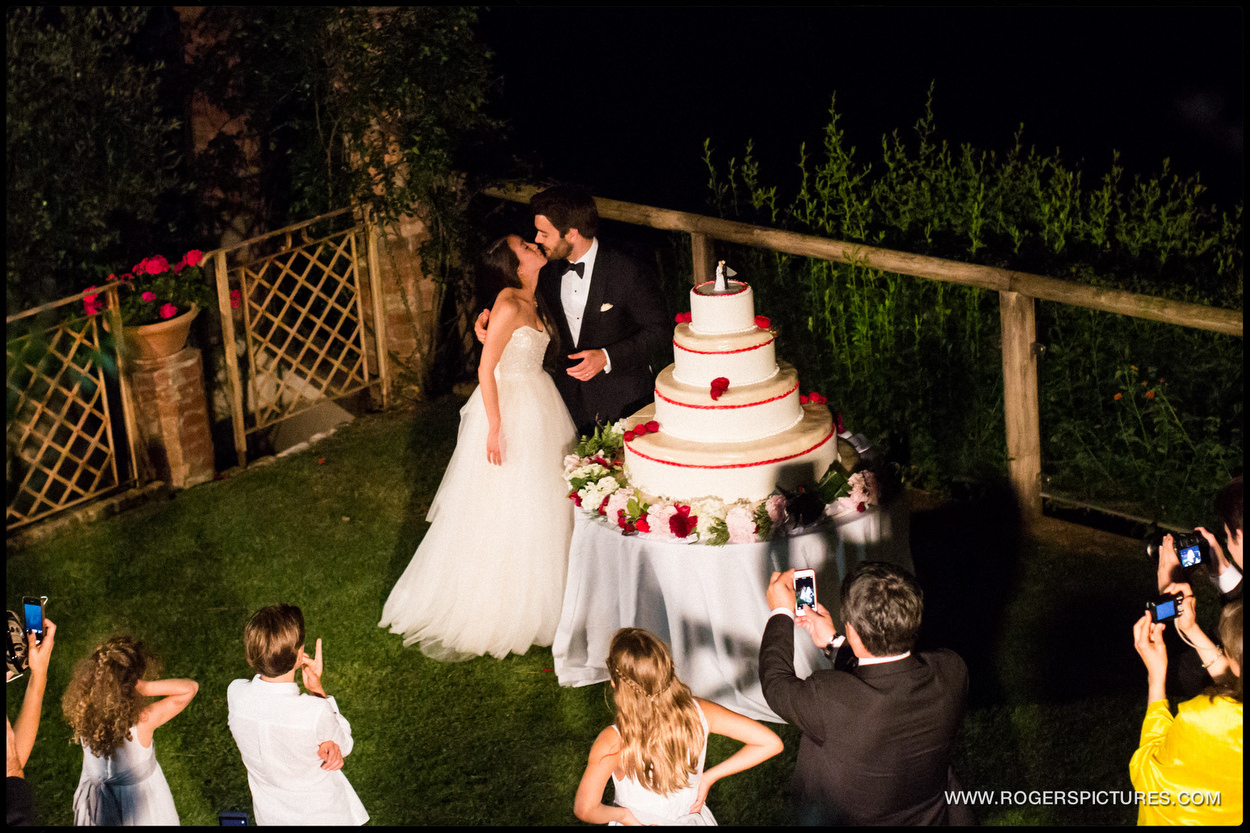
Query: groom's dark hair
x: 568, y: 206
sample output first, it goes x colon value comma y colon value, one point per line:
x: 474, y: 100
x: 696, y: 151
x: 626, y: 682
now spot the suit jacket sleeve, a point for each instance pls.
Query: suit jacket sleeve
x: 639, y: 291
x: 794, y: 700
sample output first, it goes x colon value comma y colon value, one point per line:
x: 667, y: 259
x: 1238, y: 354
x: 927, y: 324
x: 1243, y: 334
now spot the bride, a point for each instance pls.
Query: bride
x: 488, y: 578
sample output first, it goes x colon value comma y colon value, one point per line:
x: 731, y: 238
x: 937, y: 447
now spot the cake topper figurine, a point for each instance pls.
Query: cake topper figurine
x: 721, y: 272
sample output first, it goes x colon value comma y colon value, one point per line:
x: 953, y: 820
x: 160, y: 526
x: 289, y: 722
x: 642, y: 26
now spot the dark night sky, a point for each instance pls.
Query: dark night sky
x: 621, y: 99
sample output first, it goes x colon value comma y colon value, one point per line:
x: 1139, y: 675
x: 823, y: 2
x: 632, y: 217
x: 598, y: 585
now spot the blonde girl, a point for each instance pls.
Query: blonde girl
x: 655, y: 751
x: 107, y: 706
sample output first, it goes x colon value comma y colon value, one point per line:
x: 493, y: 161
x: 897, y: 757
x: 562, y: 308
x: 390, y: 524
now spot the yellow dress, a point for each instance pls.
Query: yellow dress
x: 1184, y: 762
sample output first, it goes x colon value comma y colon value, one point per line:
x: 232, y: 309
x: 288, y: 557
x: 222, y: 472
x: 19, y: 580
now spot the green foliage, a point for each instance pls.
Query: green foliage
x: 90, y: 152
x: 917, y: 363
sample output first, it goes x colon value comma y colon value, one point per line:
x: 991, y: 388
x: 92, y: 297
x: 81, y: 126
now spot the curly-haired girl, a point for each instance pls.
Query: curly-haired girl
x: 655, y: 751
x: 122, y: 783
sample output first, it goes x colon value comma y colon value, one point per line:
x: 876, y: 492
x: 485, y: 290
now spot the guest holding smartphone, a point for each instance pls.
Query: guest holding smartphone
x: 107, y: 706
x: 19, y: 804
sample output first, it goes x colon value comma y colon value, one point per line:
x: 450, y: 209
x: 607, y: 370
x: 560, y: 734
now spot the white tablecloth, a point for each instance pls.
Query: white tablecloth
x: 707, y: 602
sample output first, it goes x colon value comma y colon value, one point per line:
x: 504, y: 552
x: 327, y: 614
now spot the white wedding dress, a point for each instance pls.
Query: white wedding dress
x: 488, y: 578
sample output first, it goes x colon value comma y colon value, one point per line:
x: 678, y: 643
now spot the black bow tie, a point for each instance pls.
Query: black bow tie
x: 579, y: 268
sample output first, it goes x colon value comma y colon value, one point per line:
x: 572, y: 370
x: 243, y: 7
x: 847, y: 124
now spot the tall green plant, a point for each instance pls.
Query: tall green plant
x: 918, y: 363
x: 89, y: 150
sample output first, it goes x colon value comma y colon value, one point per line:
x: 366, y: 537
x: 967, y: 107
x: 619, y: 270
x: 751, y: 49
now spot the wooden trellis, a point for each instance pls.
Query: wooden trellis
x: 304, y: 324
x: 62, y: 446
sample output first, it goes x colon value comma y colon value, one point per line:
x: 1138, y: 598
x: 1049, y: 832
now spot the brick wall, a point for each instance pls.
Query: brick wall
x: 172, y: 413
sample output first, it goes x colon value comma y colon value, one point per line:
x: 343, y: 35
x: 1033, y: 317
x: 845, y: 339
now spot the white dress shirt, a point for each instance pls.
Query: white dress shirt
x: 278, y: 730
x: 574, y: 291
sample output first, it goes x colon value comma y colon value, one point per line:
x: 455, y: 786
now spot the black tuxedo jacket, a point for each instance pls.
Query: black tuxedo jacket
x: 624, y: 315
x: 877, y: 740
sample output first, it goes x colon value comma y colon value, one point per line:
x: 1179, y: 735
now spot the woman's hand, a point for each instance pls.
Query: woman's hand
x: 1170, y: 571
x: 494, y: 447
x: 39, y: 655
x: 1221, y: 562
x: 705, y: 786
x: 1148, y: 640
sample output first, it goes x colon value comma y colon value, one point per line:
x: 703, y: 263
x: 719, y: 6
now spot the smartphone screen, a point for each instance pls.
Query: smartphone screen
x: 34, y: 616
x: 804, y: 590
x: 1190, y: 556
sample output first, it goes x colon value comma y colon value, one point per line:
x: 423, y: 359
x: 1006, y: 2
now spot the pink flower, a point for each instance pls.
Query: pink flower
x: 618, y: 502
x: 92, y: 304
x: 236, y: 298
x: 168, y: 311
x: 741, y: 525
x: 658, y: 518
x: 192, y: 258
x: 776, y: 506
x: 154, y: 265
x: 148, y: 297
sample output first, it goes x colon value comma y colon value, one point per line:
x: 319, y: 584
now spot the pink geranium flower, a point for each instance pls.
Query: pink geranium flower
x: 148, y: 297
x: 168, y: 311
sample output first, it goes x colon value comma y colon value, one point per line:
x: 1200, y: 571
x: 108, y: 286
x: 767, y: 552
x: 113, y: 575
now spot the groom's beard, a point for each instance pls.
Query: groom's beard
x: 561, y: 250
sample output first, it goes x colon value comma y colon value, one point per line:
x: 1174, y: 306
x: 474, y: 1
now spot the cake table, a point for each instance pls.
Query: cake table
x: 708, y: 602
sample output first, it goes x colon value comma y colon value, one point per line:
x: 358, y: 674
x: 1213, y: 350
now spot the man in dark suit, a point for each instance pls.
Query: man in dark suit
x: 878, y: 730
x: 607, y: 306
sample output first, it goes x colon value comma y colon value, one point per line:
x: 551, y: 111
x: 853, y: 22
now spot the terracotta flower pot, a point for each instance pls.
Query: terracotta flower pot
x: 164, y: 338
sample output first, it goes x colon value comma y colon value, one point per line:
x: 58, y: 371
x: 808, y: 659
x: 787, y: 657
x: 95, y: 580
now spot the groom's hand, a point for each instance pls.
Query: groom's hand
x: 590, y: 362
x: 479, y: 326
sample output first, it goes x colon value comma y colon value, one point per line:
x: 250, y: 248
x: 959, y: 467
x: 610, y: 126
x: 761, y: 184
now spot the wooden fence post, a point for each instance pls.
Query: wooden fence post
x: 701, y: 249
x: 1020, y: 399
x: 221, y: 274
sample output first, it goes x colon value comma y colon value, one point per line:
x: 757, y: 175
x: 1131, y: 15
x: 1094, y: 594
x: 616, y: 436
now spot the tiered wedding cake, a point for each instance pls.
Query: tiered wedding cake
x: 730, y: 421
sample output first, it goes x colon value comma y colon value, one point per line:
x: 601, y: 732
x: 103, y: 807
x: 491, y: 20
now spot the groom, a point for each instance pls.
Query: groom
x: 607, y: 306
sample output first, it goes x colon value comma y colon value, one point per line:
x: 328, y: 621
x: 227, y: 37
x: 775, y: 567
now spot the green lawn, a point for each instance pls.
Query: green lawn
x: 1045, y: 624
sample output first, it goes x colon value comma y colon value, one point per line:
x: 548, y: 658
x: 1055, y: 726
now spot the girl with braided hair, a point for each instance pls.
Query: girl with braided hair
x: 106, y: 706
x: 655, y: 751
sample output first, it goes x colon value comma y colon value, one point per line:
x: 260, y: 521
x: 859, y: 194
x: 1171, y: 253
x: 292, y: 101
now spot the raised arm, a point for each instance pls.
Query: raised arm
x: 588, y: 804
x: 27, y: 726
x: 175, y: 694
x: 760, y: 744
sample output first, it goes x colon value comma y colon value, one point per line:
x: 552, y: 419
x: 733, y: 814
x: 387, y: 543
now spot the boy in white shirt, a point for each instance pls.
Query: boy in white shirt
x: 293, y: 744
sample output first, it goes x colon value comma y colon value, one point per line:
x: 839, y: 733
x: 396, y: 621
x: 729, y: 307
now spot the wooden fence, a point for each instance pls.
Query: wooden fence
x: 64, y: 447
x: 1018, y: 292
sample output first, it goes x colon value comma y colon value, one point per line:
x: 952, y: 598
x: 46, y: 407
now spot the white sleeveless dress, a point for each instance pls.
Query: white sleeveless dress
x: 652, y: 808
x: 488, y: 578
x: 125, y: 788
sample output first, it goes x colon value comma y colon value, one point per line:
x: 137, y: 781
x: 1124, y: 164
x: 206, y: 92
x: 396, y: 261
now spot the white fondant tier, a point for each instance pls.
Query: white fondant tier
x: 732, y: 311
x: 743, y: 358
x: 662, y: 465
x: 741, y: 413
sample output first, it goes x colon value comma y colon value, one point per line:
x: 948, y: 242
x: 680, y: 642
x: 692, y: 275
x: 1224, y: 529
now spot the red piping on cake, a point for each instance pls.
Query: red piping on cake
x: 726, y: 407
x: 734, y: 465
x: 723, y: 352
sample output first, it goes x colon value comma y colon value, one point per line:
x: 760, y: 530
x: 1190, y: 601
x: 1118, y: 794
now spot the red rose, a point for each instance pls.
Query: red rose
x: 575, y: 497
x: 653, y: 426
x: 603, y: 507
x: 629, y: 435
x: 762, y: 322
x: 682, y: 318
x: 640, y: 429
x: 802, y: 398
x: 683, y: 523
x: 861, y: 507
x: 641, y: 524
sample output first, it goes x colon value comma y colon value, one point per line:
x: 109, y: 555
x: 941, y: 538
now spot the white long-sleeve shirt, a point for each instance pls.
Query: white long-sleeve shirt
x: 278, y: 730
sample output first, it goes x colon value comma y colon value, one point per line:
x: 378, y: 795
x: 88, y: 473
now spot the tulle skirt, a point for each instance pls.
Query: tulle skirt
x: 488, y: 578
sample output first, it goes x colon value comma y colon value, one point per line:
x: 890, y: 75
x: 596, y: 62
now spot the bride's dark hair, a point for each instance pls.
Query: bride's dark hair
x: 497, y: 269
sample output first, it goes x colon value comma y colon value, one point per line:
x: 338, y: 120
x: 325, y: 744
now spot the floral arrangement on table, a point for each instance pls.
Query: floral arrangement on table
x: 156, y: 290
x: 595, y: 472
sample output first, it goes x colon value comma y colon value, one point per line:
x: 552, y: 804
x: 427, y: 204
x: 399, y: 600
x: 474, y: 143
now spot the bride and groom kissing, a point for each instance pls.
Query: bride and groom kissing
x: 500, y: 520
